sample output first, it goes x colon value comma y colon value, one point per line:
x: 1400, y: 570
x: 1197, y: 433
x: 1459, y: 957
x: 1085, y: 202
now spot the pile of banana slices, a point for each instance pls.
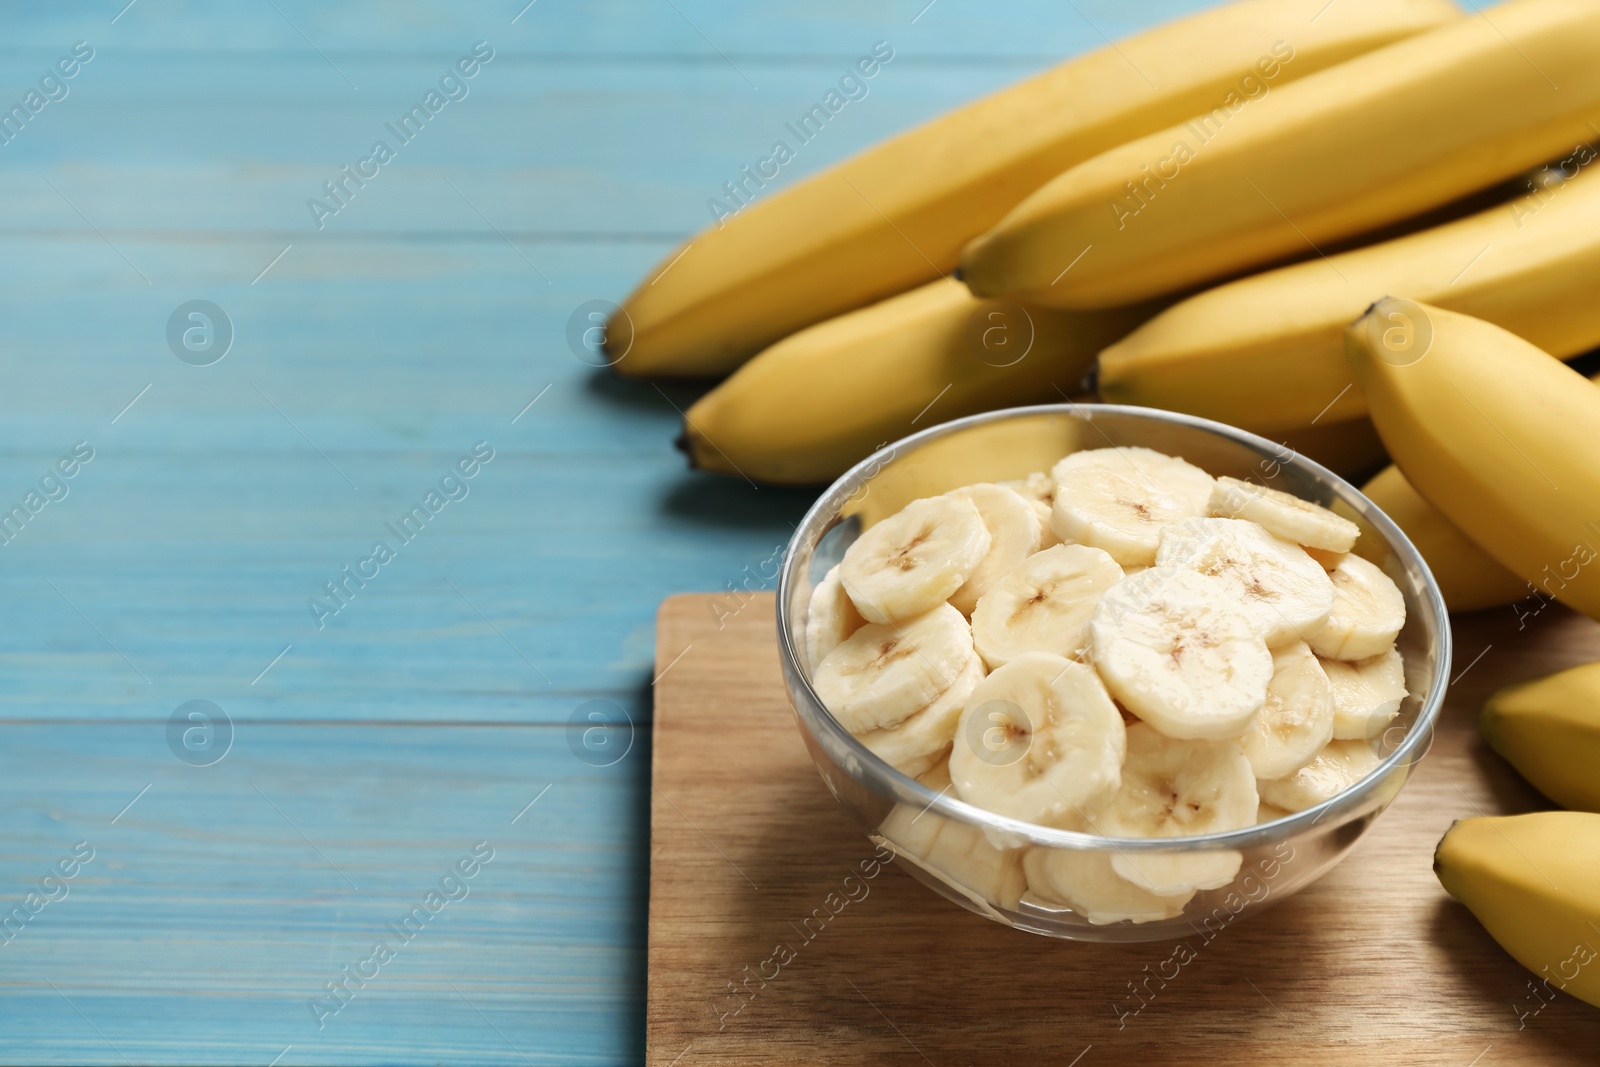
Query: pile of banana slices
x: 1124, y: 646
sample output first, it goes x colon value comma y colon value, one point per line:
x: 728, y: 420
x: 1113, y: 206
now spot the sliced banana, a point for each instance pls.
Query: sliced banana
x: 1336, y: 768
x: 911, y: 830
x: 1270, y: 812
x: 1297, y: 719
x: 956, y: 854
x: 1043, y: 605
x: 918, y: 742
x: 830, y: 618
x: 1368, y: 612
x: 970, y: 864
x: 1086, y: 882
x: 1173, y: 788
x: 915, y: 559
x: 1014, y: 535
x: 1327, y: 560
x: 1284, y: 515
x: 1039, y: 488
x: 1118, y: 499
x: 1047, y: 536
x: 1177, y: 654
x: 1039, y: 741
x: 1285, y: 591
x: 1366, y: 695
x: 881, y: 674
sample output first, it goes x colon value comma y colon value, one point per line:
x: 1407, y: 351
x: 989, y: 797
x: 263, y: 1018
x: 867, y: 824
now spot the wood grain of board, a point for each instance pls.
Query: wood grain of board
x: 1372, y: 964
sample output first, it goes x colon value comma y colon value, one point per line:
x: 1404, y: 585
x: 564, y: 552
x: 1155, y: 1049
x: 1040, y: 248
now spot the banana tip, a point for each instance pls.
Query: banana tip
x: 1369, y: 309
x: 681, y: 443
x: 1091, y: 378
x: 1438, y: 864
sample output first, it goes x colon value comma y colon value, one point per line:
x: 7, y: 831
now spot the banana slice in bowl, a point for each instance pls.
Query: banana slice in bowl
x: 1039, y: 489
x: 831, y: 616
x: 1178, y: 654
x: 955, y: 854
x: 1087, y: 883
x: 1297, y: 718
x: 918, y: 742
x: 1286, y: 593
x: 1014, y: 534
x: 883, y: 673
x: 915, y: 560
x: 1043, y: 605
x: 1039, y: 741
x: 1367, y: 614
x: 1120, y: 499
x: 1340, y: 765
x: 1283, y: 515
x: 1173, y: 788
x: 1367, y: 694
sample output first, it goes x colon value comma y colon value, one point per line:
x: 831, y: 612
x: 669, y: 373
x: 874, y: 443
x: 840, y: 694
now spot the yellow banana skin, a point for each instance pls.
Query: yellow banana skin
x: 896, y: 216
x: 1347, y: 150
x: 1267, y: 352
x: 1350, y: 449
x: 1549, y: 730
x: 808, y: 408
x: 1468, y: 577
x: 816, y: 403
x: 1533, y: 881
x: 1502, y: 439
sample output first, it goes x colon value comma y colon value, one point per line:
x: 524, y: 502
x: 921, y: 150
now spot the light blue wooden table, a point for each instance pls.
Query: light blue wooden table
x: 373, y: 753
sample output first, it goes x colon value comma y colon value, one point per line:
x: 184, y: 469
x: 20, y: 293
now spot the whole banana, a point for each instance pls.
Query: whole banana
x: 896, y: 215
x: 1549, y: 730
x: 808, y: 408
x: 1350, y: 449
x: 1497, y: 435
x: 1468, y: 577
x: 817, y: 402
x: 1347, y: 150
x: 1267, y: 352
x: 1534, y: 883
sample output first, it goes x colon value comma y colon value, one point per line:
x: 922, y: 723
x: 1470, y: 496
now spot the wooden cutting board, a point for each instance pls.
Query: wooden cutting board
x: 1374, y: 964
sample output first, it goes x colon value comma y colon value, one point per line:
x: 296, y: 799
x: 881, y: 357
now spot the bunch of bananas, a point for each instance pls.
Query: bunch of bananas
x: 1104, y: 222
x: 1195, y: 241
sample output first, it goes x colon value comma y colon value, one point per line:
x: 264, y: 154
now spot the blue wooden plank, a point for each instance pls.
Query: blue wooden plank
x: 193, y: 540
x: 600, y: 147
x: 219, y: 903
x: 703, y: 30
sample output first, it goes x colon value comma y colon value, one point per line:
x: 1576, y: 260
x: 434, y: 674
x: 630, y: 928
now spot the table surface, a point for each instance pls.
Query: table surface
x: 370, y: 754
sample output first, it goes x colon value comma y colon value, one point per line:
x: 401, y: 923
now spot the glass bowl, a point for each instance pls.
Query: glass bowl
x: 980, y: 860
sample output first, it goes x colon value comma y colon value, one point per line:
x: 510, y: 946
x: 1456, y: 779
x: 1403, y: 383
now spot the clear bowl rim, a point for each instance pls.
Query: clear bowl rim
x: 878, y: 776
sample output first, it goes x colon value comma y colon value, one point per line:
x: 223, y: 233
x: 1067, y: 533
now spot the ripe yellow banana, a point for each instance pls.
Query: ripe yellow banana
x: 1534, y: 883
x: 1497, y: 435
x: 809, y: 407
x: 1376, y: 139
x: 896, y: 215
x: 1549, y: 730
x: 1468, y: 577
x: 1267, y: 352
x: 1350, y: 449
